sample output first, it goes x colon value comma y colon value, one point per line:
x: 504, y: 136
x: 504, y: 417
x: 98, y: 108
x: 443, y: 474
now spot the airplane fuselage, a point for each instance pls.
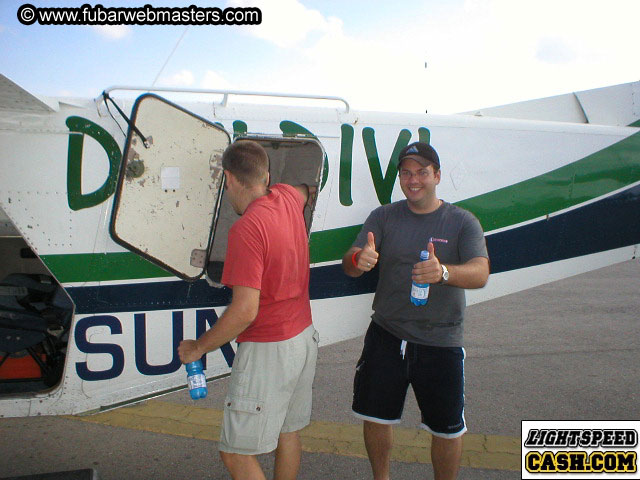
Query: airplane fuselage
x: 555, y: 199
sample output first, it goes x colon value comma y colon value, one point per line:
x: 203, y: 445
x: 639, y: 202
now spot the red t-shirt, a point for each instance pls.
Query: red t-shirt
x: 268, y: 250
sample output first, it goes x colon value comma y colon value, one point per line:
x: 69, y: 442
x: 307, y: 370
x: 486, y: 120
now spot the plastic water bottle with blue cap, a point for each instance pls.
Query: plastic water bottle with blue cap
x: 420, y: 291
x: 196, y: 380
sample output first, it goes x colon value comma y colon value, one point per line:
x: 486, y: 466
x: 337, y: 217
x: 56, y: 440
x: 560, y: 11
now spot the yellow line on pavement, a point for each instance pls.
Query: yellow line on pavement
x: 410, y: 445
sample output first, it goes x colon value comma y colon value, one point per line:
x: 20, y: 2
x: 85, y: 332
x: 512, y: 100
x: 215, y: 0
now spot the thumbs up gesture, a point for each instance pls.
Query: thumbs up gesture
x: 428, y: 271
x: 368, y: 257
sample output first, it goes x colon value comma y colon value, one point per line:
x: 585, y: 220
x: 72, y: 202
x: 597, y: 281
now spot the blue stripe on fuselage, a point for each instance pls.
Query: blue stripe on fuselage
x: 610, y: 223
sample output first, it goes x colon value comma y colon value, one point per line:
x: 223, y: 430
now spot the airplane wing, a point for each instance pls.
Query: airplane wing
x: 617, y: 105
x: 14, y: 97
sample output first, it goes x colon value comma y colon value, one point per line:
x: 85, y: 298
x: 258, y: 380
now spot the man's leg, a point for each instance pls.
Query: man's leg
x: 445, y: 456
x: 242, y: 467
x: 378, y: 439
x: 298, y: 415
x: 288, y: 456
x: 438, y: 383
x: 379, y: 390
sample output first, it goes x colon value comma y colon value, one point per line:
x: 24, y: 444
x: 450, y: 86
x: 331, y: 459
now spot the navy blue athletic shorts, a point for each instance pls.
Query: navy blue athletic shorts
x: 388, y: 366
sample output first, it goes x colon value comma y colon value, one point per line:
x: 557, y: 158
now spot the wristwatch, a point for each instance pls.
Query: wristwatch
x: 445, y: 275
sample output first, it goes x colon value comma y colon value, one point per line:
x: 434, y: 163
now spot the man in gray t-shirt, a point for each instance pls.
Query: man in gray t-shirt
x: 414, y: 345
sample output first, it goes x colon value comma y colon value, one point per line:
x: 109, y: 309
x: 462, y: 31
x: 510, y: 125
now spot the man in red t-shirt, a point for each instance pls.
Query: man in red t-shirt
x: 267, y: 266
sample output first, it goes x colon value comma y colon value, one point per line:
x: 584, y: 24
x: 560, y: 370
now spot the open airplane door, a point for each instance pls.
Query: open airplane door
x: 169, y: 187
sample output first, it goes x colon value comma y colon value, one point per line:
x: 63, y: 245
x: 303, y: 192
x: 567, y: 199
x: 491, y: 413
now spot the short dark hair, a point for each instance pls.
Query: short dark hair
x: 248, y: 162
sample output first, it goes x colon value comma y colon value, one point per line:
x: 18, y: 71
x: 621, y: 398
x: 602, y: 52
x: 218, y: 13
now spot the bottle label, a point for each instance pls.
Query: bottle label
x: 197, y: 381
x: 419, y: 292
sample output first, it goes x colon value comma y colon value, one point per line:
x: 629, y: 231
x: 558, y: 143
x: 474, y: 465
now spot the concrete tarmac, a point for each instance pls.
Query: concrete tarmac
x: 568, y: 350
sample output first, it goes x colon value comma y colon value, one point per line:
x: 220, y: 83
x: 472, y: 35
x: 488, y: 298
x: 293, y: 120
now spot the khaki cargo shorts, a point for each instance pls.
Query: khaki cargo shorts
x: 269, y: 393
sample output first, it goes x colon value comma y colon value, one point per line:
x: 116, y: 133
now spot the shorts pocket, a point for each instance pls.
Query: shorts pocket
x: 244, y: 423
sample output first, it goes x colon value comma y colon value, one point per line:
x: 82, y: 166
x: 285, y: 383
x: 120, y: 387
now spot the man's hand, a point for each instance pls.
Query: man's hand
x: 188, y: 351
x: 474, y: 273
x: 429, y: 271
x: 367, y: 258
x: 359, y: 260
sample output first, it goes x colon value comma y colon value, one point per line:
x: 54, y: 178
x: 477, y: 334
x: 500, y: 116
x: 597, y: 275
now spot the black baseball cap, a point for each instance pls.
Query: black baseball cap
x: 423, y: 153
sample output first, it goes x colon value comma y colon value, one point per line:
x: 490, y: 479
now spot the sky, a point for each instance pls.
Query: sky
x: 440, y: 56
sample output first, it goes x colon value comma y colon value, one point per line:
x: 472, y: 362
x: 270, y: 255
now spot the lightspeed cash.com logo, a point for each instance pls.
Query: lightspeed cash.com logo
x: 580, y: 449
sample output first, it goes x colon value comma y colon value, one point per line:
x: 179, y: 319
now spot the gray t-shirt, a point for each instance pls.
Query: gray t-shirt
x: 400, y: 235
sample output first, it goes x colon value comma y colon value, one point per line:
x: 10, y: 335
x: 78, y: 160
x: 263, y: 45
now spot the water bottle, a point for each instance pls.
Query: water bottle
x: 196, y: 380
x: 420, y: 291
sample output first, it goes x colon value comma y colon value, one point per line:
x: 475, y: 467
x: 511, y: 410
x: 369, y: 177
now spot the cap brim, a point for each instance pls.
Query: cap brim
x: 417, y: 158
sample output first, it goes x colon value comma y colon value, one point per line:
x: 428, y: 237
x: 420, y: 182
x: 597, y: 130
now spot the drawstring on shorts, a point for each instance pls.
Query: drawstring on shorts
x: 403, y: 348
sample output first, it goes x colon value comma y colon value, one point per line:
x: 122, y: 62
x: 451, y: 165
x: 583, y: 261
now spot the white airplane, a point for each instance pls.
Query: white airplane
x: 113, y: 220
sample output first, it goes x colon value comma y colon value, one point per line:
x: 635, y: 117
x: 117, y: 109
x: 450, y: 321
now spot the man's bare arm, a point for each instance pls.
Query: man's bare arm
x: 472, y: 274
x: 235, y: 319
x: 307, y: 192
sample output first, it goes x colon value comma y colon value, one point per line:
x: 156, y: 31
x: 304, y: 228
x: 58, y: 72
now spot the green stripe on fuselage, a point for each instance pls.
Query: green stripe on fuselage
x: 95, y: 267
x: 602, y: 172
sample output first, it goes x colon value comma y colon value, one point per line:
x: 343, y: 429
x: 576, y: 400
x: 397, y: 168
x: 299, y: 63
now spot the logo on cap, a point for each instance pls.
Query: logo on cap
x: 412, y: 149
